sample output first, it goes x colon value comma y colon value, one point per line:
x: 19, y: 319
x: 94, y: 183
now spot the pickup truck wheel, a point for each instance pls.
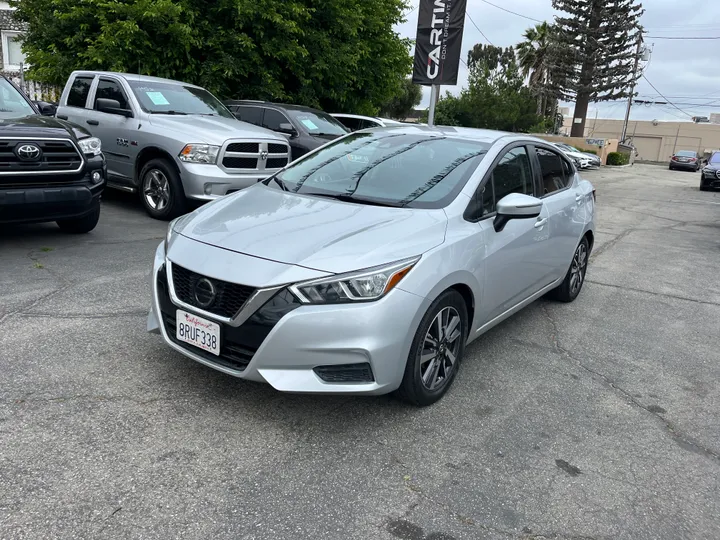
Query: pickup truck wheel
x: 161, y: 190
x: 81, y: 225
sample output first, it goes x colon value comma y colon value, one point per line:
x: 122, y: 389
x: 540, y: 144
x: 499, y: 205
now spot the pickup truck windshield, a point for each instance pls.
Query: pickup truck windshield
x: 12, y: 103
x: 165, y: 98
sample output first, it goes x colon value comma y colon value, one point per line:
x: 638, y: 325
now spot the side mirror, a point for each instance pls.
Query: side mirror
x: 287, y: 129
x: 46, y: 109
x: 112, y: 106
x: 516, y: 206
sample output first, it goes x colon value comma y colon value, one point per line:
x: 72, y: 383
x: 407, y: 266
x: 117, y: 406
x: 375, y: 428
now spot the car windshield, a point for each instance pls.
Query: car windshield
x: 715, y: 158
x: 12, y: 103
x: 685, y: 153
x: 317, y: 123
x: 168, y: 98
x: 386, y: 168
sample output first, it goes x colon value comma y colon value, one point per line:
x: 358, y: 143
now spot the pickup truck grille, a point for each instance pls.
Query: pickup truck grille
x: 38, y: 156
x: 254, y: 156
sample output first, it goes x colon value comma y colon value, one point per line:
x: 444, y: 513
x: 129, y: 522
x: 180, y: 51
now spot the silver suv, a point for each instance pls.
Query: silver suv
x: 170, y: 141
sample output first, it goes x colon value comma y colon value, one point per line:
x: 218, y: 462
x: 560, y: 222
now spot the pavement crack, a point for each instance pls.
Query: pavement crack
x: 663, y: 295
x: 88, y: 397
x: 34, y: 303
x: 684, y: 441
x: 133, y: 313
x: 609, y: 244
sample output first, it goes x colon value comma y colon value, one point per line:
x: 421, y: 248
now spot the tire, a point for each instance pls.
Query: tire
x: 670, y: 167
x: 81, y: 225
x: 450, y: 308
x: 570, y: 288
x: 161, y: 190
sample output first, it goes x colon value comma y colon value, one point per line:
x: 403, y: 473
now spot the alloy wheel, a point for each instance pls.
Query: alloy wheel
x: 578, y: 268
x: 440, y: 348
x: 156, y: 190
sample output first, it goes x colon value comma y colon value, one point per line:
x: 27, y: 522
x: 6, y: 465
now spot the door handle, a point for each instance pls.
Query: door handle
x: 62, y: 116
x: 93, y: 122
x: 540, y: 223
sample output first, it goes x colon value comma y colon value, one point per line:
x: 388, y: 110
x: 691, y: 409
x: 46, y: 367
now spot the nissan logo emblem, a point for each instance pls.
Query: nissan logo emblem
x: 204, y: 293
x: 28, y: 152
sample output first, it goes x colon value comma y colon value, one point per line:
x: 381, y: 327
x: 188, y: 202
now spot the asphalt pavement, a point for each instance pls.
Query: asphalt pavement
x: 596, y: 419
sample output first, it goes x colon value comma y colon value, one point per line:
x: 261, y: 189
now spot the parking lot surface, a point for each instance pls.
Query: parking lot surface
x: 596, y: 419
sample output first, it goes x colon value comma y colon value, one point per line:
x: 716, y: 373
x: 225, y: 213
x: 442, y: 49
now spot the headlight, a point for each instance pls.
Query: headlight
x: 91, y: 146
x: 199, y: 153
x: 170, y: 232
x: 362, y: 286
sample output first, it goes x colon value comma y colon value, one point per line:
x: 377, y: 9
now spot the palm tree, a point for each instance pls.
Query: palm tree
x: 535, y: 58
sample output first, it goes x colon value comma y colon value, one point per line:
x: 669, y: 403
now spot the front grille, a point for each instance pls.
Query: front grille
x: 239, y: 344
x: 277, y: 148
x: 717, y: 173
x: 229, y: 297
x: 240, y: 163
x: 251, y: 147
x: 345, y: 373
x: 252, y: 156
x: 56, y: 155
x: 276, y: 163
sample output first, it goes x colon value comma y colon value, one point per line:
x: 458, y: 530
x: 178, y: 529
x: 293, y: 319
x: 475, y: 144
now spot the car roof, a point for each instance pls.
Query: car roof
x: 134, y: 77
x: 358, y: 116
x: 288, y: 106
x: 489, y: 136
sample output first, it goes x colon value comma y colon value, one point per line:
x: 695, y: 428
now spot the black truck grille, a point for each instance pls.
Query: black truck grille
x: 229, y: 297
x: 21, y: 156
x: 237, y: 344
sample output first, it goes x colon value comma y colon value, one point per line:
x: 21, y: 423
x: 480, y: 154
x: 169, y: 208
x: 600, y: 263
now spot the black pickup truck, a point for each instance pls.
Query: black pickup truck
x: 50, y: 170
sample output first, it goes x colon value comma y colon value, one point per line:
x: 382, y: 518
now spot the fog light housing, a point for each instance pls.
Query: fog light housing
x: 96, y: 177
x: 208, y: 189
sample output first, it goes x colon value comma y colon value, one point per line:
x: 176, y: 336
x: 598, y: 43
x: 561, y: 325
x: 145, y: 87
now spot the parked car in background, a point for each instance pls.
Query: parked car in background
x: 582, y: 160
x: 355, y: 122
x: 169, y: 141
x: 305, y: 128
x: 368, y: 265
x: 49, y: 170
x: 688, y: 160
x: 710, y: 174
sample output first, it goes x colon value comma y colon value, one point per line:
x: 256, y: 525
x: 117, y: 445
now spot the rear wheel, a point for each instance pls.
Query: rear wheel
x: 570, y: 288
x: 161, y: 191
x: 436, y: 351
x: 83, y: 224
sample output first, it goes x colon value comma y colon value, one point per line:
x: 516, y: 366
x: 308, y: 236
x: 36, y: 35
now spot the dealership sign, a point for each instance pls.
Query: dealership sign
x: 438, y: 41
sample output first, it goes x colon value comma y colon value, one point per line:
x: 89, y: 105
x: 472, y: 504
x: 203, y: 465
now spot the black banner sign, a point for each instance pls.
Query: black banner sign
x: 438, y: 41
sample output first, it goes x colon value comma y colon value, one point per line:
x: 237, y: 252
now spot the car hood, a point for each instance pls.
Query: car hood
x: 211, y: 129
x: 313, y: 232
x: 35, y: 125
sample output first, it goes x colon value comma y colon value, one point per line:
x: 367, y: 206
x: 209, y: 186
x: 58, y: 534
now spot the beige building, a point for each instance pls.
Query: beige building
x: 654, y: 140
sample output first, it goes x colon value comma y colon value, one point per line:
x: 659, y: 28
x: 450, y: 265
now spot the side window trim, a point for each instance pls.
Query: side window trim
x: 538, y: 176
x: 105, y: 78
x: 488, y: 175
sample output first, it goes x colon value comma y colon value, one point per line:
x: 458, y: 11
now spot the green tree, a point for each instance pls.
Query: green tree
x: 596, y: 51
x: 496, y: 97
x: 333, y: 54
x: 402, y: 104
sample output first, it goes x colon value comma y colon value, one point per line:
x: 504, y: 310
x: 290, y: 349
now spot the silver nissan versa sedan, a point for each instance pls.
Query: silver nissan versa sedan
x: 369, y: 264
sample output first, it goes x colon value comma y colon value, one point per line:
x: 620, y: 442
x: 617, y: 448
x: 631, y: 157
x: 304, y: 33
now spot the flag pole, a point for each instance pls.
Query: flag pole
x: 434, y: 92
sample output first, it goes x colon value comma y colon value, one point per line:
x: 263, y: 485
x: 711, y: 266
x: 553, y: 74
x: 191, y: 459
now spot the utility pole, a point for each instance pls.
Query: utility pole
x: 632, y: 88
x: 434, y: 95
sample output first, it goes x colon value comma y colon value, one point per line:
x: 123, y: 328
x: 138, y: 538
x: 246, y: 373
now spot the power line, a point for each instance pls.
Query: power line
x: 689, y: 37
x: 507, y: 10
x: 478, y: 28
x: 666, y: 99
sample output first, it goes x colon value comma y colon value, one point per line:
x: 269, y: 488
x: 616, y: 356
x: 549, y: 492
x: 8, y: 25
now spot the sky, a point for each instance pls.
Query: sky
x: 684, y: 71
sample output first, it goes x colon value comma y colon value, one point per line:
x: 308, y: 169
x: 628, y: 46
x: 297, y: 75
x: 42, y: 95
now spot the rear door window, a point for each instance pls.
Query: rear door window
x: 77, y: 97
x: 252, y: 115
x: 554, y: 171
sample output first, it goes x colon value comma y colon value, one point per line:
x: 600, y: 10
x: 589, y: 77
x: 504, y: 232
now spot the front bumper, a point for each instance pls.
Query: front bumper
x: 204, y: 182
x: 378, y: 334
x: 36, y: 200
x: 710, y: 180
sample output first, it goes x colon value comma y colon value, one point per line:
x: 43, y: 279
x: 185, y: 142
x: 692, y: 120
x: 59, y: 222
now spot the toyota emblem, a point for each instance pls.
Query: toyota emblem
x: 28, y: 152
x: 263, y: 155
x: 204, y: 292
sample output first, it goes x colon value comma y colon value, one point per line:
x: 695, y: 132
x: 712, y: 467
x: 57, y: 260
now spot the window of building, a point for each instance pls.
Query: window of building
x: 13, y: 56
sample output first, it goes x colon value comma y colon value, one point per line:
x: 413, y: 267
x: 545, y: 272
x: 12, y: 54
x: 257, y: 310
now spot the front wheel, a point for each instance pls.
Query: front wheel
x: 161, y: 190
x: 570, y: 288
x: 83, y: 224
x: 437, y: 350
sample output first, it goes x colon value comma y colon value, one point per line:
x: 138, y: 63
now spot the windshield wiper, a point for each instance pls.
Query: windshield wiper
x: 168, y: 112
x: 349, y: 198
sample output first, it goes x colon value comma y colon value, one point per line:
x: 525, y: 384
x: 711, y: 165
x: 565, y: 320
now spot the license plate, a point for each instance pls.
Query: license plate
x: 197, y: 331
